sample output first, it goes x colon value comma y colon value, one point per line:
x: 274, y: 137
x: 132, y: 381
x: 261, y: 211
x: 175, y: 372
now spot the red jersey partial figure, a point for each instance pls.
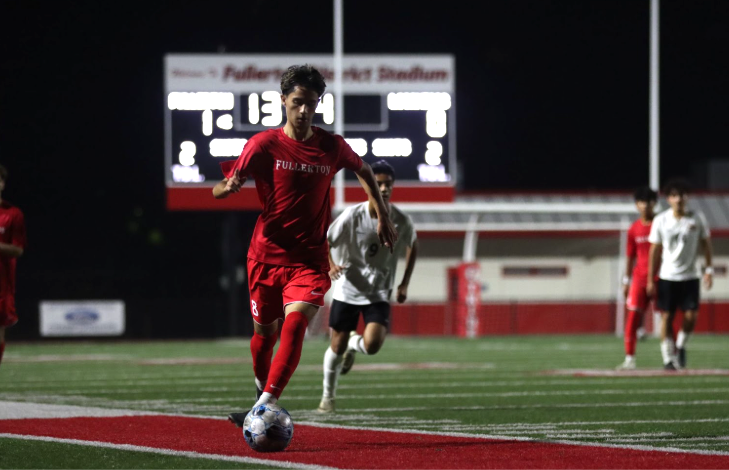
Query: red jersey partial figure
x: 288, y: 263
x: 12, y: 246
x: 635, y: 279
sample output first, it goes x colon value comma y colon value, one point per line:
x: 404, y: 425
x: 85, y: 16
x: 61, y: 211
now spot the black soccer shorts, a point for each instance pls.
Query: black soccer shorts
x: 673, y: 295
x: 344, y: 316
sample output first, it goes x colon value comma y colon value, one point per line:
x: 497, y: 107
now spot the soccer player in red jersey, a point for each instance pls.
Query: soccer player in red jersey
x: 12, y: 245
x: 288, y: 258
x: 634, y: 287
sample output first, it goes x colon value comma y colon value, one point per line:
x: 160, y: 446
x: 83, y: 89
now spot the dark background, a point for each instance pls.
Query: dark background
x: 552, y: 95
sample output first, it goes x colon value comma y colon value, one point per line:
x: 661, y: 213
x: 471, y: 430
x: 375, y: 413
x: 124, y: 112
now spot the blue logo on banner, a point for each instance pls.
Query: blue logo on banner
x: 82, y: 316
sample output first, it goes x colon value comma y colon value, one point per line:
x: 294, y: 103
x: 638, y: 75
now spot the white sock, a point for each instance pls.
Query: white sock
x: 356, y: 343
x: 266, y: 398
x: 332, y: 366
x: 260, y: 385
x: 667, y: 350
x: 628, y: 358
x: 681, y: 339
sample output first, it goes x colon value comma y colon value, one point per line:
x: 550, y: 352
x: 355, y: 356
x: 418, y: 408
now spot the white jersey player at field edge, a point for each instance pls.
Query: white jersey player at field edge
x: 363, y: 275
x: 676, y: 237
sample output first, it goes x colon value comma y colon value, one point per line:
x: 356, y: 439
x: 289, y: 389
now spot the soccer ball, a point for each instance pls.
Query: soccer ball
x: 268, y: 428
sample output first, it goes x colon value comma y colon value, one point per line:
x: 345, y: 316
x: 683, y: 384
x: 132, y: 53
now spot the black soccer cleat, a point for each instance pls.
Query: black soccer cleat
x: 237, y: 419
x: 681, y: 352
x: 669, y: 366
x: 259, y: 392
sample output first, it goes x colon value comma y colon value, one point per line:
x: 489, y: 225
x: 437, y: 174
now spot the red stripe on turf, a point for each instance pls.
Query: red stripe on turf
x: 347, y: 448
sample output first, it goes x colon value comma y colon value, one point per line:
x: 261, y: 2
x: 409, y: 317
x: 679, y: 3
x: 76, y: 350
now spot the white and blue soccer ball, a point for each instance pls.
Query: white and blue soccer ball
x: 268, y: 428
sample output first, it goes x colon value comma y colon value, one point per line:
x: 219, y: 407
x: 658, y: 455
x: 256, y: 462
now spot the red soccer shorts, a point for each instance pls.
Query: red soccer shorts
x: 8, y: 317
x: 272, y: 287
x: 638, y: 299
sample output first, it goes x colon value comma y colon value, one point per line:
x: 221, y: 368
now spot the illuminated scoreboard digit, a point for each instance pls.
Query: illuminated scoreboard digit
x: 398, y: 108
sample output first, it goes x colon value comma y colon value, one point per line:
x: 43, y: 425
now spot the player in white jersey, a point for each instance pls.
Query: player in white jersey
x: 676, y: 236
x: 364, y: 275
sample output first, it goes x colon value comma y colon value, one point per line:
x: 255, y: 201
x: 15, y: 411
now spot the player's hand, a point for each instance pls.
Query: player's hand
x: 626, y: 290
x: 708, y: 281
x: 386, y: 231
x: 234, y: 184
x: 335, y: 272
x: 650, y: 288
x: 402, y: 293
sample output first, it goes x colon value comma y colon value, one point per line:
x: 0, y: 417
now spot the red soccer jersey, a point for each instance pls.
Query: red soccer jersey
x: 639, y: 247
x: 293, y: 179
x: 12, y: 231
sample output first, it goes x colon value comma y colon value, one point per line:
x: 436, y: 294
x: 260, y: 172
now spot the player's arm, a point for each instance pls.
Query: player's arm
x: 653, y: 258
x: 10, y: 250
x: 335, y: 270
x: 410, y: 256
x: 228, y: 186
x: 709, y: 271
x: 385, y: 229
x: 629, y: 265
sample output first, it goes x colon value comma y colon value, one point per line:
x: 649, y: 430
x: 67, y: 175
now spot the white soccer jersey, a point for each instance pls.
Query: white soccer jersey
x: 369, y: 273
x: 680, y: 240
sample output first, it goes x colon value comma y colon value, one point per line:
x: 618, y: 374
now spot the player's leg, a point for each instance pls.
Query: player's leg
x: 262, y: 344
x: 303, y: 295
x: 266, y: 299
x: 629, y: 339
x: 666, y: 303
x: 690, y: 307
x: 343, y: 318
x: 377, y: 320
x: 636, y: 305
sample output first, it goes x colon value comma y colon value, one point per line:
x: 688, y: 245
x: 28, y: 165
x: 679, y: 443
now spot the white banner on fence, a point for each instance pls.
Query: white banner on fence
x: 82, y: 318
x: 361, y: 73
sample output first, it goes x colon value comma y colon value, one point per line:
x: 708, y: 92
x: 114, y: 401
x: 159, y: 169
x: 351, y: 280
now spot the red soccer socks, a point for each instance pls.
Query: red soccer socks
x: 262, y: 351
x: 288, y: 354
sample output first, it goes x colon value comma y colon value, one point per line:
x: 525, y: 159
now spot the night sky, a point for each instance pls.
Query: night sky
x: 551, y: 95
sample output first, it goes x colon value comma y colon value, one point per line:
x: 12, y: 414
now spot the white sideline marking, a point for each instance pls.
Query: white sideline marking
x: 174, y: 453
x: 545, y: 405
x: 636, y: 372
x: 533, y: 393
x: 135, y: 387
x: 23, y: 410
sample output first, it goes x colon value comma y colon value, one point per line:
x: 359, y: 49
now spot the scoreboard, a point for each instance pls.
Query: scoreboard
x: 398, y: 108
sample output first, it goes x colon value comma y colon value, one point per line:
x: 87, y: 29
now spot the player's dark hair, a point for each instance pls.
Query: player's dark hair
x: 646, y: 194
x: 3, y: 173
x: 677, y: 185
x: 304, y: 76
x: 381, y: 167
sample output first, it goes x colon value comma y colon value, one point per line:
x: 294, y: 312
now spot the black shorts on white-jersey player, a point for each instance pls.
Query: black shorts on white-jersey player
x: 678, y: 295
x: 344, y: 316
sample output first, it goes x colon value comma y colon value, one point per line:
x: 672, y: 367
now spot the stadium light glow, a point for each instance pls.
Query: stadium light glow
x: 187, y: 174
x: 326, y: 108
x: 200, y: 101
x: 187, y: 153
x: 392, y: 147
x: 434, y: 152
x: 254, y: 114
x: 225, y: 122
x: 358, y: 145
x: 272, y: 107
x: 418, y: 101
x: 207, y: 122
x: 435, y: 123
x: 433, y: 173
x: 227, y: 147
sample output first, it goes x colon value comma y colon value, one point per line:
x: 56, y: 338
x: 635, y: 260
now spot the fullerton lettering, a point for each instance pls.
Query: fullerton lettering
x: 293, y: 166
